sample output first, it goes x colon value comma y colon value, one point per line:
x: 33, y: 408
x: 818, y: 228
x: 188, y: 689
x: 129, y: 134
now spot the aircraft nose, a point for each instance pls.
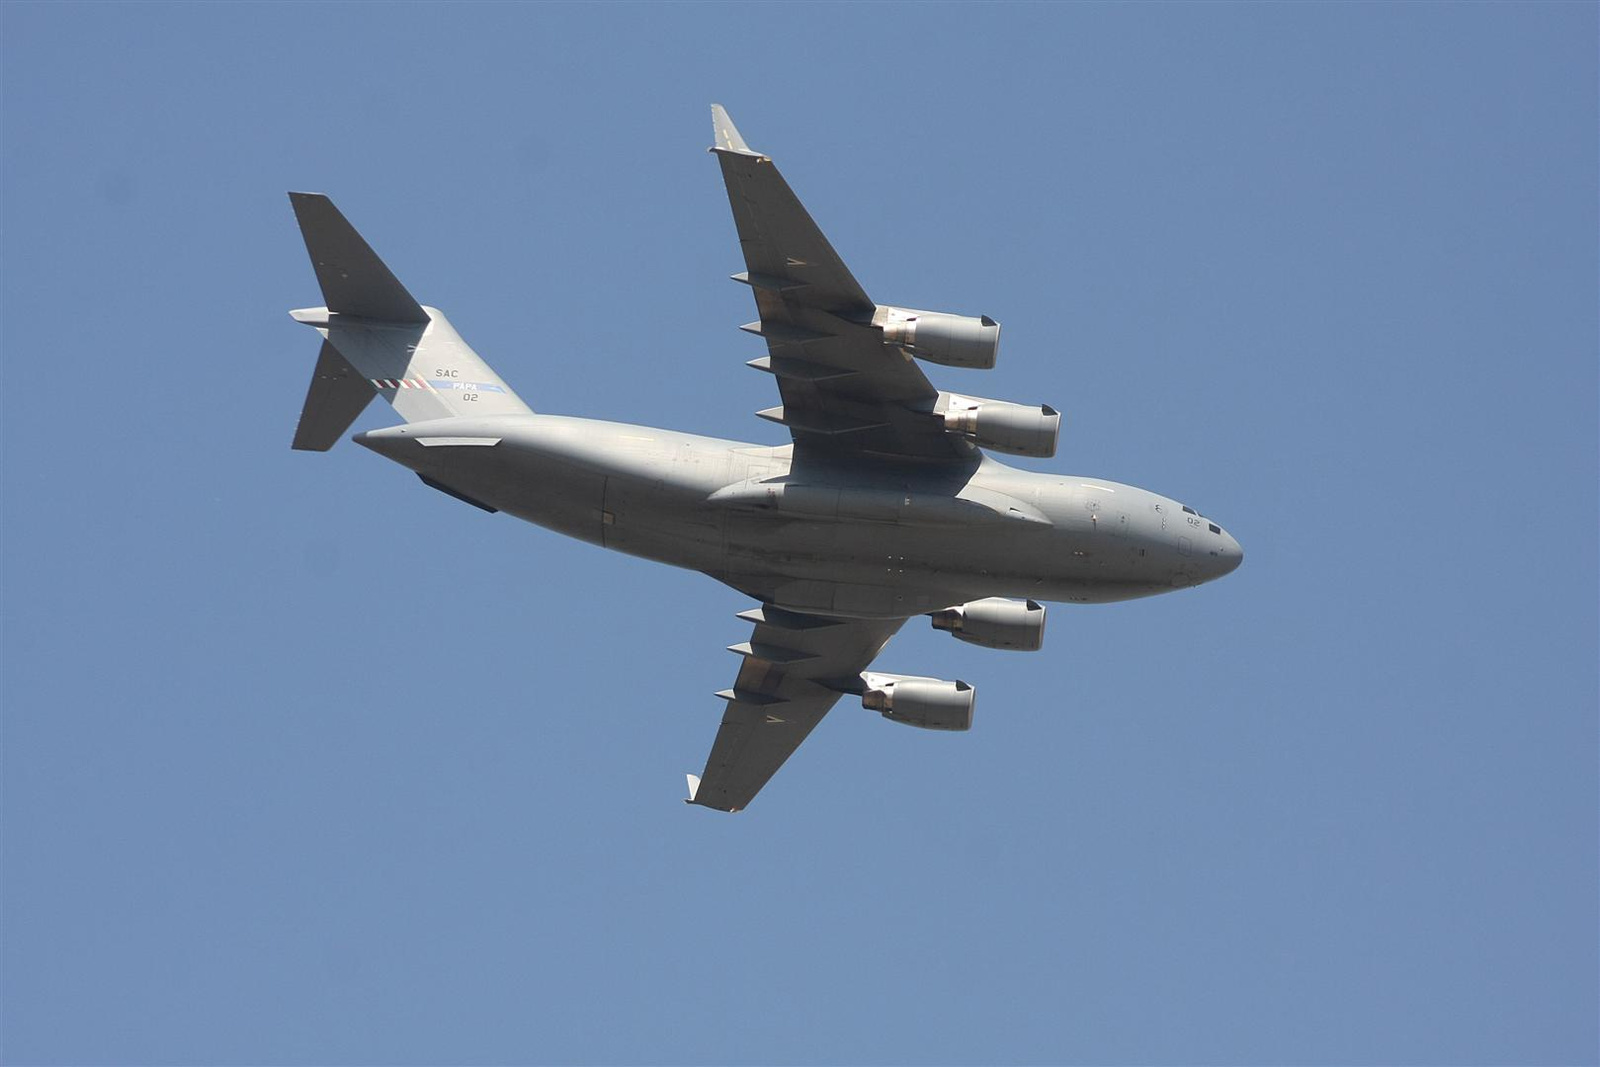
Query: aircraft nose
x: 1232, y: 554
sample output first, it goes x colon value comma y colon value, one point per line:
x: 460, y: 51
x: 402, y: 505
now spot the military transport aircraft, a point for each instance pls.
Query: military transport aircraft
x: 885, y: 504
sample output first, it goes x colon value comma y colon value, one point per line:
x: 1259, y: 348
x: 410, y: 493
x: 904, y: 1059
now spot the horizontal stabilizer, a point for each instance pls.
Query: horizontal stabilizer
x: 354, y: 280
x: 726, y: 134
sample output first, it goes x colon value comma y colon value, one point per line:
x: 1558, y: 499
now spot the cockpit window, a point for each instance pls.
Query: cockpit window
x: 1215, y: 528
x: 1189, y: 510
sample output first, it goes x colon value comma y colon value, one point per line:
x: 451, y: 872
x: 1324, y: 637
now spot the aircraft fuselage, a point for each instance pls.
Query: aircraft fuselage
x: 865, y: 537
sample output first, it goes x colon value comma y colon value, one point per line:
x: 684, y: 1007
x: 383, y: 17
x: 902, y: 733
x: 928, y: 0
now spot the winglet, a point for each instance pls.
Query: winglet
x: 694, y: 787
x: 726, y: 134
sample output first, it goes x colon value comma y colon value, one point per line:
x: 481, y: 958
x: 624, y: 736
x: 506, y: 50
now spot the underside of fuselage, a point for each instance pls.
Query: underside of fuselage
x: 871, y: 537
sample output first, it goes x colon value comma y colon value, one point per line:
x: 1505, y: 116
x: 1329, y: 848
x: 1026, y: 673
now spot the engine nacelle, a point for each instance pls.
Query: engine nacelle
x: 929, y: 703
x: 995, y: 622
x: 953, y: 340
x: 1019, y: 429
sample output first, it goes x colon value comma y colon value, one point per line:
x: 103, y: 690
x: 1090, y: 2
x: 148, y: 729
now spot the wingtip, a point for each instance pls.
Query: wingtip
x: 694, y: 787
x: 726, y: 134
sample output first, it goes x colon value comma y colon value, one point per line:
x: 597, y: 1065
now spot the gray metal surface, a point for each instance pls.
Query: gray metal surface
x: 336, y: 396
x: 842, y: 386
x: 354, y: 281
x: 792, y: 670
x: 877, y: 511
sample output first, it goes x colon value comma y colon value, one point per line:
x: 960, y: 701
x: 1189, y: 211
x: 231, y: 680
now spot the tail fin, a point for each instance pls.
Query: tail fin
x: 377, y: 340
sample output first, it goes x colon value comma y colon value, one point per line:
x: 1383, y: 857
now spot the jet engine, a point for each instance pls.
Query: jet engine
x: 929, y: 703
x: 1019, y: 429
x: 995, y: 622
x: 953, y: 340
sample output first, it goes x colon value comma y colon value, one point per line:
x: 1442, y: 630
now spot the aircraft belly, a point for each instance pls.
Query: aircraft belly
x: 634, y: 489
x: 924, y: 568
x: 653, y: 494
x: 559, y: 496
x: 616, y: 509
x: 660, y: 521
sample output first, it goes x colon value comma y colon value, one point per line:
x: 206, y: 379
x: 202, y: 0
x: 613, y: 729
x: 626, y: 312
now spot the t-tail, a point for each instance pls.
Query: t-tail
x: 378, y: 341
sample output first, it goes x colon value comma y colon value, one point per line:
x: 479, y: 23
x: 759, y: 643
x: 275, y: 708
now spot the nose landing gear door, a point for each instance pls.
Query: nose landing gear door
x: 1187, y: 572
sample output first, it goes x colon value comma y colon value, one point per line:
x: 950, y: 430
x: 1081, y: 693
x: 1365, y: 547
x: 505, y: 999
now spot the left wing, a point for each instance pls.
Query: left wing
x: 795, y: 668
x: 844, y: 386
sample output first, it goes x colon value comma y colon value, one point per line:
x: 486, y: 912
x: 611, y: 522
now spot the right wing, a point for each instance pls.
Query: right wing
x: 795, y: 668
x: 843, y: 386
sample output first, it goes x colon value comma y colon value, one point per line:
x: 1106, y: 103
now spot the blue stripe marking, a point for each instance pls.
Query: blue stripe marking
x: 480, y: 387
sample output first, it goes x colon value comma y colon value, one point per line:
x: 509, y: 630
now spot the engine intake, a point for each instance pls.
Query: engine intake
x: 1018, y: 429
x: 995, y: 622
x: 953, y: 340
x: 928, y: 703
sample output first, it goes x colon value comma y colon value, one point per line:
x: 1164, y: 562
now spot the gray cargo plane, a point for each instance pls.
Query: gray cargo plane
x: 885, y: 504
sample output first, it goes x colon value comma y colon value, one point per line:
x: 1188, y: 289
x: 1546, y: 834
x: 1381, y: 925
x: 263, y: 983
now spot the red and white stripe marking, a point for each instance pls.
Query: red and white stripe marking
x: 400, y: 383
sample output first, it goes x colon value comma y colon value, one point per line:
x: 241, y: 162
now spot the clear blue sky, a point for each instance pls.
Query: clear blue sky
x: 306, y: 763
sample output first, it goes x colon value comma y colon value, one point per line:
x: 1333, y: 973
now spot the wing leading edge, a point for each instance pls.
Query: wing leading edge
x: 795, y: 667
x: 843, y: 387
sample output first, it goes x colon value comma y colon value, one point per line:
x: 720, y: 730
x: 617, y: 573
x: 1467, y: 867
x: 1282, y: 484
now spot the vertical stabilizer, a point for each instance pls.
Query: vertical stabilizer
x: 378, y: 341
